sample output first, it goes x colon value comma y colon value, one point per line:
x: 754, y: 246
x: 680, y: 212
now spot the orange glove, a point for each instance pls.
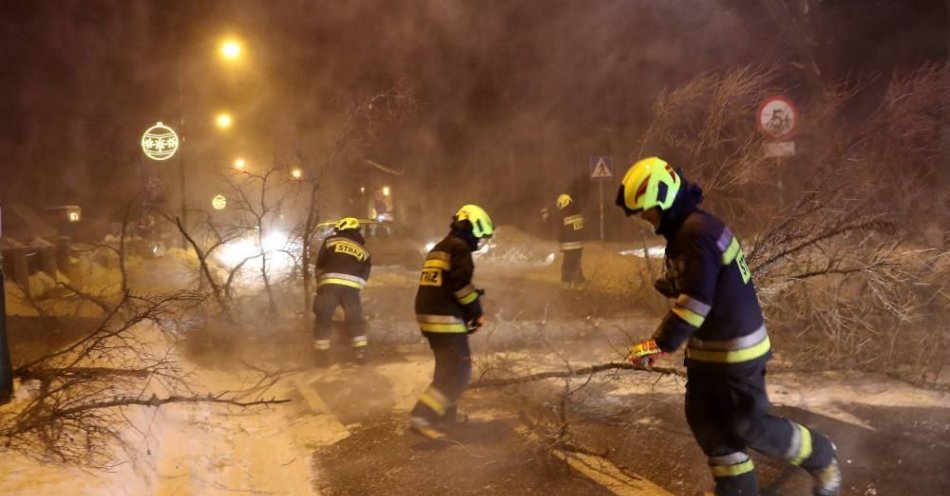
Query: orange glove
x: 645, y: 353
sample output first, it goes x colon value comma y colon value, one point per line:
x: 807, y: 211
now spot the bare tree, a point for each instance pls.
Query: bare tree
x: 841, y: 215
x: 75, y: 411
x: 362, y: 122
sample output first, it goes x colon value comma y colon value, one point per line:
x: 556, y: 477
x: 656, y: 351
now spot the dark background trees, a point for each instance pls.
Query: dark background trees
x: 517, y: 91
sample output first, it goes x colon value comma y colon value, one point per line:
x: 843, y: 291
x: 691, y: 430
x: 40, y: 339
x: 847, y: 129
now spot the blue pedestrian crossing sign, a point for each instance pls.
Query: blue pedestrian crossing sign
x: 601, y: 167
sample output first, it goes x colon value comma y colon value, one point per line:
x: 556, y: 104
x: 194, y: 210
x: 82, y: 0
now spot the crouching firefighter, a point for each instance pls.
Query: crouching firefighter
x: 342, y: 269
x: 448, y: 308
x: 716, y: 313
x: 570, y: 237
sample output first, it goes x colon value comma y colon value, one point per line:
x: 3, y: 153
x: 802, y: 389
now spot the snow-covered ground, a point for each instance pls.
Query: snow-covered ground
x: 184, y: 449
x: 215, y: 449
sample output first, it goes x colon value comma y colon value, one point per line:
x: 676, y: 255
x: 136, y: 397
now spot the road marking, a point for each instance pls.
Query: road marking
x: 605, y: 473
x: 322, y: 428
x: 608, y: 475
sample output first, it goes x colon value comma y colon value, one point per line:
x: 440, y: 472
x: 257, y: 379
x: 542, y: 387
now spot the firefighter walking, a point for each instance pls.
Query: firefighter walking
x: 717, y: 314
x: 342, y: 269
x: 448, y: 308
x: 571, y: 242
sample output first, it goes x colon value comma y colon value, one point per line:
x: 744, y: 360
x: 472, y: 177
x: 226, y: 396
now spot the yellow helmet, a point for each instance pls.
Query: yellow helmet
x: 649, y: 183
x: 482, y: 226
x: 563, y: 200
x: 347, y: 223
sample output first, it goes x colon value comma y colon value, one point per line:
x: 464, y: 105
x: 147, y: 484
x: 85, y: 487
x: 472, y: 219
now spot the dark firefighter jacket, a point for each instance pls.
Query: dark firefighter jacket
x: 716, y: 310
x: 446, y: 299
x: 343, y: 260
x: 570, y: 234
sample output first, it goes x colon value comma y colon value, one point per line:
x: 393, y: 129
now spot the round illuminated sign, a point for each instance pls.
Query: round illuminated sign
x: 777, y: 116
x: 159, y: 142
x: 219, y: 202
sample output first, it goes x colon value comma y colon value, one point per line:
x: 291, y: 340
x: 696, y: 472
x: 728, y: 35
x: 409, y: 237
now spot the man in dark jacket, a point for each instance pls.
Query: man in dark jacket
x: 716, y: 313
x: 448, y: 308
x: 342, y: 269
x: 570, y: 237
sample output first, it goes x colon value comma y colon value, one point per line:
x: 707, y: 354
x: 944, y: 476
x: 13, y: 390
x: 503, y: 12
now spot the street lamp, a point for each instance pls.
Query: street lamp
x: 296, y: 173
x: 223, y: 120
x: 240, y: 164
x: 231, y: 49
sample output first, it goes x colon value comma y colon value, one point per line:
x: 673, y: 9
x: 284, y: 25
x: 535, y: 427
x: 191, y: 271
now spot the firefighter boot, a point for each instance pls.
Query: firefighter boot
x: 359, y: 355
x: 426, y: 429
x: 453, y: 417
x: 827, y: 479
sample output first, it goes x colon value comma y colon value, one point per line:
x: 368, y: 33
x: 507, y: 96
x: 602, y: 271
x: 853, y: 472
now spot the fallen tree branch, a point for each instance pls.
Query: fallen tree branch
x: 156, y: 401
x: 47, y: 374
x: 509, y: 381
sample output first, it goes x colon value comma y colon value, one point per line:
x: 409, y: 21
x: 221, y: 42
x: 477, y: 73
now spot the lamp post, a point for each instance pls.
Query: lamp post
x: 231, y: 51
x: 6, y: 369
x: 181, y: 158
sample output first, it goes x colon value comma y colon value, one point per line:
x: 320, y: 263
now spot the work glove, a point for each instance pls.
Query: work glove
x: 666, y: 287
x: 474, y: 324
x: 645, y: 353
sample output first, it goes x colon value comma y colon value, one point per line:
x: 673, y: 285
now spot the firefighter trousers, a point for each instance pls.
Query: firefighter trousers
x: 571, y: 270
x: 728, y: 412
x: 453, y: 371
x: 330, y: 296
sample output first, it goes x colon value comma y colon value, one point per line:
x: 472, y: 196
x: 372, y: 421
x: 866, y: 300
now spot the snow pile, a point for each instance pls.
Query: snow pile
x: 652, y: 252
x: 510, y: 245
x: 207, y: 449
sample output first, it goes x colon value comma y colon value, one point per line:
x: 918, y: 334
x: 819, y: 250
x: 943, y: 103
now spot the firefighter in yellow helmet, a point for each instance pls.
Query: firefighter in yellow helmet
x: 448, y: 309
x: 570, y: 239
x: 716, y: 313
x: 342, y: 269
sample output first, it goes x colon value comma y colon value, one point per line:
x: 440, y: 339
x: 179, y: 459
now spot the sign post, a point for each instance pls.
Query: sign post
x: 601, y: 168
x: 777, y: 118
x: 6, y: 369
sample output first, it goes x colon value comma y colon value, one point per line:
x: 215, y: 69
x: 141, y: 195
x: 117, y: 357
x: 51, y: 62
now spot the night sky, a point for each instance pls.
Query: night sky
x: 518, y: 91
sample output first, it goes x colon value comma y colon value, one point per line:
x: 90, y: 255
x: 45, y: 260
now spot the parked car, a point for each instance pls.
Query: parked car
x: 389, y: 243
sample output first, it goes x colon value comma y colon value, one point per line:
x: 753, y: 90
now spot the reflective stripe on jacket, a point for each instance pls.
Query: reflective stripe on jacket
x: 446, y: 298
x: 343, y: 260
x: 716, y: 307
x: 571, y: 231
x: 341, y: 279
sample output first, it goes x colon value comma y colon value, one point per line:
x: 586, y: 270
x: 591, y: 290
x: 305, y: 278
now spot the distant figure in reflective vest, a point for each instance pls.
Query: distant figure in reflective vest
x: 715, y: 311
x: 570, y: 239
x: 342, y: 269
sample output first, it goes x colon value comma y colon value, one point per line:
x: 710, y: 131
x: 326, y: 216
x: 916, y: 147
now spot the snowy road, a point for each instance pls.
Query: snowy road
x: 343, y: 432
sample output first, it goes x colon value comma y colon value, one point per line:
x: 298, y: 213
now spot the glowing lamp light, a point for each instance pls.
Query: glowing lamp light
x: 240, y: 164
x: 223, y: 120
x: 73, y: 216
x: 386, y: 191
x: 219, y: 202
x: 296, y: 173
x: 159, y: 142
x: 231, y: 50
